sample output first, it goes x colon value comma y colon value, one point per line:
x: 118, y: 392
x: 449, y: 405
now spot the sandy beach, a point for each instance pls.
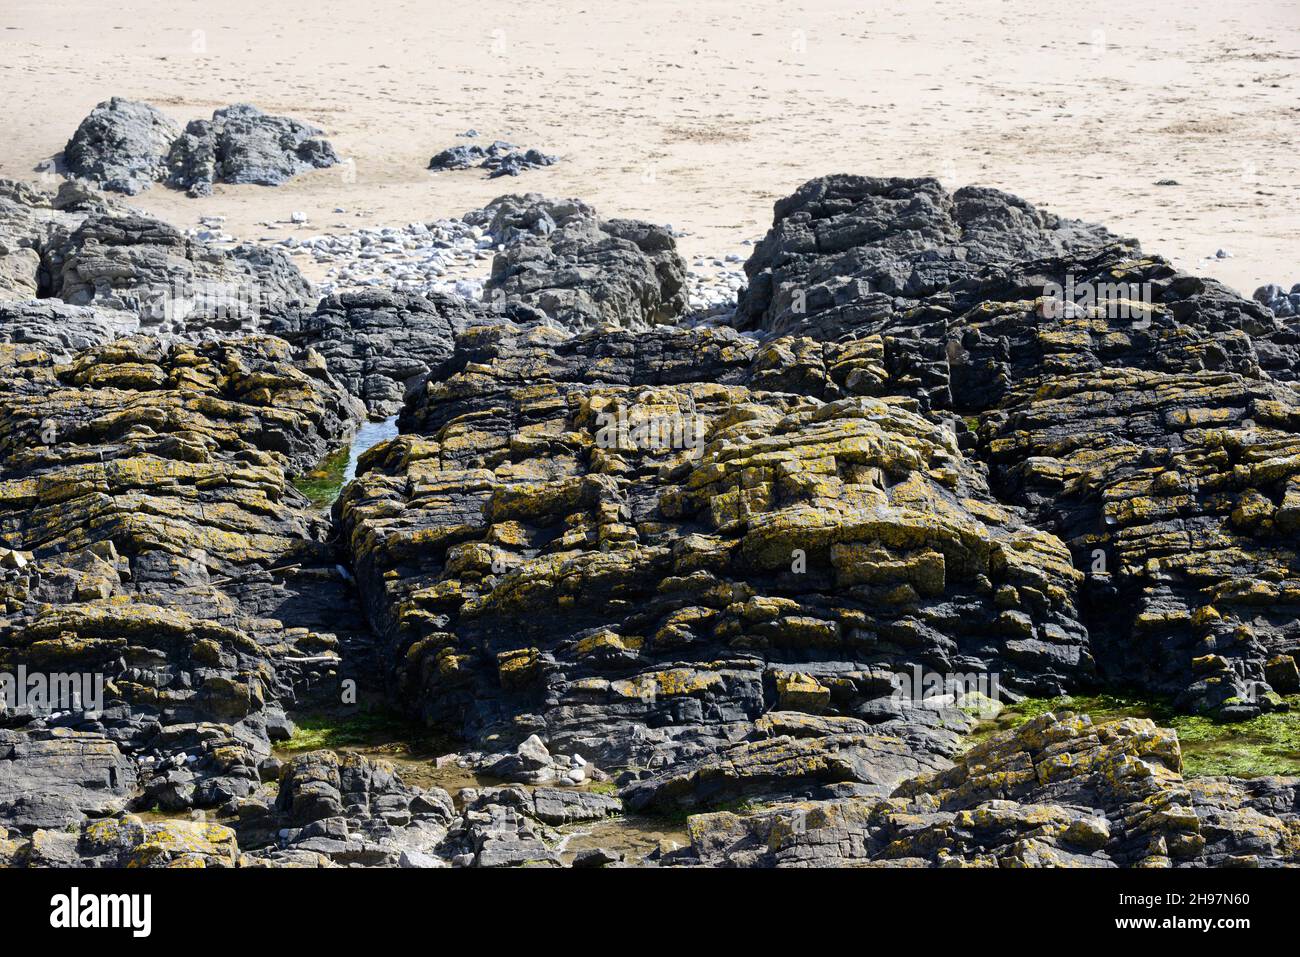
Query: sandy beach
x: 700, y: 115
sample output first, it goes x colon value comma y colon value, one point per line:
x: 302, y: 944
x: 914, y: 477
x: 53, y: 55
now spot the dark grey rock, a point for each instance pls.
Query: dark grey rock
x: 588, y: 274
x: 60, y: 329
x: 515, y: 217
x: 174, y: 285
x: 51, y: 779
x: 1283, y: 303
x: 596, y: 857
x: 499, y: 159
x: 351, y: 811
x: 379, y: 345
x: 529, y: 763
x: 122, y: 146
x: 241, y: 144
x: 846, y: 253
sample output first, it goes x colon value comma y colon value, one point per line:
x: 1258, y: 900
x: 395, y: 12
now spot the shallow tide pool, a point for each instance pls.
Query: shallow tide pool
x: 324, y: 483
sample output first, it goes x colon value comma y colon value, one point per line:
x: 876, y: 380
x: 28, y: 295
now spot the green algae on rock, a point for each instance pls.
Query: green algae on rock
x: 324, y: 481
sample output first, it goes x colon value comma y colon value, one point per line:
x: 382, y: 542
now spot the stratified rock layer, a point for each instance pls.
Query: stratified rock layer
x: 174, y: 284
x: 77, y: 247
x: 1180, y: 492
x: 62, y: 330
x: 156, y: 547
x: 1057, y: 792
x: 380, y: 345
x: 619, y: 540
x: 1145, y: 416
x: 954, y: 437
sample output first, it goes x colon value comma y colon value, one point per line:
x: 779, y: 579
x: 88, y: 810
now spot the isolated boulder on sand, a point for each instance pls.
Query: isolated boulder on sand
x: 499, y: 159
x: 241, y: 144
x: 125, y: 146
x: 122, y: 145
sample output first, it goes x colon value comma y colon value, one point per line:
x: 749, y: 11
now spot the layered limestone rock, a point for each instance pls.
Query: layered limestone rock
x: 77, y: 247
x: 514, y: 826
x: 324, y: 810
x: 1117, y: 309
x: 344, y: 810
x: 159, y: 551
x: 618, y: 542
x: 1057, y: 792
x: 62, y: 331
x: 103, y: 272
x: 791, y: 754
x: 954, y: 437
x: 518, y: 216
x: 1143, y: 415
x: 1180, y: 493
x: 380, y: 345
x: 126, y: 841
x: 847, y: 251
x: 175, y: 285
x: 33, y: 223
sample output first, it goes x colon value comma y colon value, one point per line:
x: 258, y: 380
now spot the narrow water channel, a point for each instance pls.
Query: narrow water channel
x: 324, y: 483
x: 368, y: 436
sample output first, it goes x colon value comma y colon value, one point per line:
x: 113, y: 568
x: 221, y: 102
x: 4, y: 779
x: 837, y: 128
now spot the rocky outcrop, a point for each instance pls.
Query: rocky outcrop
x: 241, y: 144
x: 849, y: 251
x: 61, y: 330
x: 77, y: 247
x: 1057, y: 792
x: 790, y: 756
x: 33, y: 223
x: 55, y: 776
x: 619, y: 541
x: 175, y: 285
x: 1279, y: 299
x: 499, y: 158
x: 588, y: 273
x: 121, y: 146
x: 25, y: 227
x: 515, y: 217
x: 126, y: 841
x: 379, y: 345
x: 163, y: 556
x: 124, y: 146
x: 513, y: 827
x: 344, y: 810
x: 324, y: 809
x: 1122, y: 401
x: 1180, y: 495
x: 954, y: 437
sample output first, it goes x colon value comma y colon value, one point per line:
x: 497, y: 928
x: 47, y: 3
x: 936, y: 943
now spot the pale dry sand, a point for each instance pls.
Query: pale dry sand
x: 700, y: 114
